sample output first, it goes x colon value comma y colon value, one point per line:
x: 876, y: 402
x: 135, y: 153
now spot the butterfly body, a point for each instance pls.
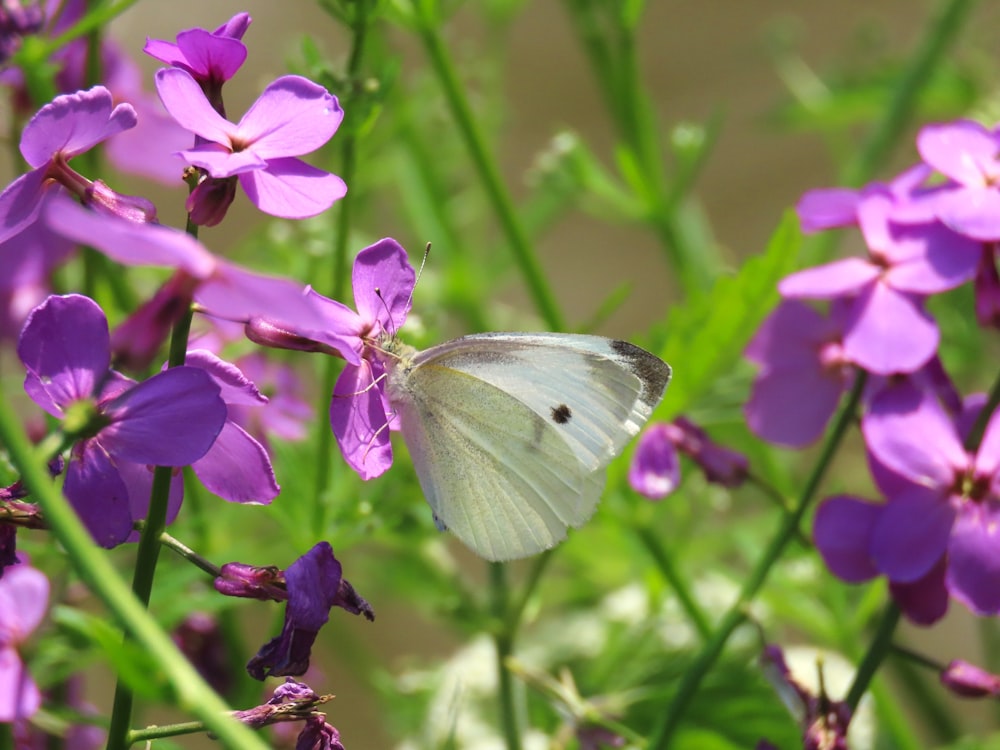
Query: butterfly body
x: 510, y: 433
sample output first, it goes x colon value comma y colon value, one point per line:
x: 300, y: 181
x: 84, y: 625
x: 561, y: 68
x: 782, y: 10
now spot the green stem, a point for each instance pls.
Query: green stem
x: 503, y: 638
x: 148, y: 734
x: 149, y: 549
x: 735, y: 615
x: 880, y: 647
x: 489, y: 174
x: 339, y: 269
x: 668, y: 570
x: 192, y: 694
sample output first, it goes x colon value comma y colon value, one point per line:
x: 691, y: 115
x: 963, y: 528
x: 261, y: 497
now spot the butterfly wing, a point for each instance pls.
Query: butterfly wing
x: 510, y: 433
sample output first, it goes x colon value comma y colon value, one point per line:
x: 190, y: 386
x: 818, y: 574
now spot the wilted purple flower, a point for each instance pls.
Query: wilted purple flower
x: 293, y: 116
x: 967, y: 153
x: 169, y: 420
x: 949, y: 502
x: 266, y: 583
x: 970, y: 681
x: 886, y: 329
x: 68, y: 126
x: 804, y: 372
x: 318, y: 735
x: 212, y: 58
x: 314, y: 585
x: 24, y: 596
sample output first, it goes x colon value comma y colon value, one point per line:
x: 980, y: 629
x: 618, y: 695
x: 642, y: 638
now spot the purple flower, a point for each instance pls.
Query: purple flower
x: 24, y: 595
x: 804, y: 372
x: 212, y: 58
x: 948, y: 503
x: 293, y: 116
x: 314, y: 586
x: 886, y: 329
x: 655, y: 472
x: 70, y: 125
x: 965, y: 152
x: 169, y: 420
x: 383, y: 281
x: 236, y: 467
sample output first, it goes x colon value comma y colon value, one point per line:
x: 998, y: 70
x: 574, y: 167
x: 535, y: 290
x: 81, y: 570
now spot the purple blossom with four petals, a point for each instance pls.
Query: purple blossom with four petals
x: 293, y: 116
x: 172, y: 419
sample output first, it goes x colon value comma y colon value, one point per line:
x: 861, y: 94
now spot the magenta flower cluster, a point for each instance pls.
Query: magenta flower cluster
x: 933, y: 228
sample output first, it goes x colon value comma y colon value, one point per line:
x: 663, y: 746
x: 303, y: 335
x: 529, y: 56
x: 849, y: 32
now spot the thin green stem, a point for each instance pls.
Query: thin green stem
x: 339, y: 267
x: 95, y: 570
x: 486, y: 168
x: 668, y: 569
x: 149, y: 549
x: 736, y: 614
x: 148, y: 734
x: 516, y: 611
x: 503, y: 638
x: 880, y: 647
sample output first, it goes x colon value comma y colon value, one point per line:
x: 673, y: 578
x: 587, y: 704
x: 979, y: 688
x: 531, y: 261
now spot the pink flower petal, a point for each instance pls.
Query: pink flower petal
x: 963, y: 150
x: 19, y: 695
x: 875, y: 337
x: 383, y: 282
x: 186, y: 103
x: 358, y: 418
x: 842, y: 531
x: 835, y: 279
x: 827, y: 208
x: 291, y: 189
x: 292, y: 116
x: 973, y: 563
x: 911, y: 534
x: 237, y: 468
x: 24, y: 600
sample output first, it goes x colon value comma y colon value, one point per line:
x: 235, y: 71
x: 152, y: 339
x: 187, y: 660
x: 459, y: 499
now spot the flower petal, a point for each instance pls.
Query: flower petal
x: 187, y: 104
x: 973, y: 558
x: 971, y: 211
x: 842, y: 532
x: 19, y: 695
x: 358, y: 418
x: 835, y: 279
x: 911, y: 534
x: 220, y: 161
x: 237, y: 468
x: 66, y: 346
x: 21, y: 203
x: 873, y: 338
x: 924, y: 601
x: 235, y: 387
x: 383, y: 282
x: 291, y: 189
x: 98, y: 494
x: 24, y: 600
x: 908, y: 431
x: 655, y: 471
x: 938, y: 260
x: 291, y: 117
x: 791, y: 406
x: 172, y: 419
x: 962, y: 150
x: 827, y: 208
x: 138, y: 480
x: 73, y: 123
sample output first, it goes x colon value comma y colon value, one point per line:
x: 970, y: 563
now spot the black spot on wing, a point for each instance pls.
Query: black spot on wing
x: 650, y: 369
x: 561, y: 414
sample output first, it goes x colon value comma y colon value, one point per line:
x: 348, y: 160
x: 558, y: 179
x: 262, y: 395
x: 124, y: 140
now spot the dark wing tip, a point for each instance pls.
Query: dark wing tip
x: 650, y: 369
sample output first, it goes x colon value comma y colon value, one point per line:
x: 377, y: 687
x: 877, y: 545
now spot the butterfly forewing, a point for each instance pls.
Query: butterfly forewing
x: 498, y: 475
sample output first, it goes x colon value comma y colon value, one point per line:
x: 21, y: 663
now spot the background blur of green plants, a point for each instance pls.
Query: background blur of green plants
x: 616, y: 167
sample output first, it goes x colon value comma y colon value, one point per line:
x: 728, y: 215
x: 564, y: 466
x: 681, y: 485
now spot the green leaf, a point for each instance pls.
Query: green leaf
x: 705, y: 338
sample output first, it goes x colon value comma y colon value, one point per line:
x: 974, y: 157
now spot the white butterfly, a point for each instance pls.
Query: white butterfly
x: 510, y: 433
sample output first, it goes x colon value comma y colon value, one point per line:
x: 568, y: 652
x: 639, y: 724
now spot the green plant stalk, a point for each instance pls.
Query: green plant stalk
x: 149, y: 548
x: 489, y: 174
x: 503, y: 638
x: 668, y: 569
x: 192, y: 693
x: 166, y: 730
x: 338, y: 274
x: 880, y: 647
x: 736, y: 614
